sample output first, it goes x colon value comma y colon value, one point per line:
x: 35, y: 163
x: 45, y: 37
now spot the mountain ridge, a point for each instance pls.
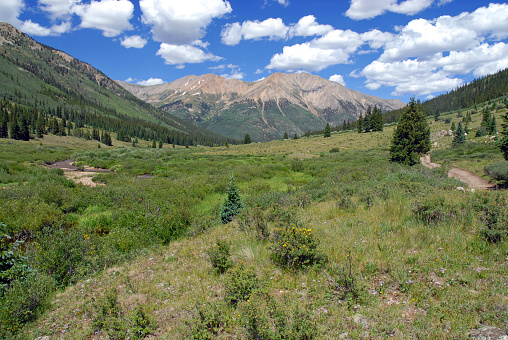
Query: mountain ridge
x: 50, y: 82
x: 281, y: 102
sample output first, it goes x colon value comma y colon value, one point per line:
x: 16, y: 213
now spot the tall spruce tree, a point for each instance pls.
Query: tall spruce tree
x: 503, y: 142
x: 367, y: 124
x: 359, y: 124
x: 460, y: 136
x: 24, y: 133
x: 246, y: 139
x: 327, y: 132
x: 285, y: 135
x: 411, y: 137
x: 376, y: 119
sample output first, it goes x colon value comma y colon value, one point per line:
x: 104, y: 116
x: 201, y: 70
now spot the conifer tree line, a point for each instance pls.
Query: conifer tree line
x: 372, y: 121
x: 19, y: 122
x: 51, y: 86
x: 478, y: 91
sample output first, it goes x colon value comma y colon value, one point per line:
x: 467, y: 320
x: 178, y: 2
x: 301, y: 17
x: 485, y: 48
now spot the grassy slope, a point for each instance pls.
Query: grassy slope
x: 476, y: 154
x: 358, y: 205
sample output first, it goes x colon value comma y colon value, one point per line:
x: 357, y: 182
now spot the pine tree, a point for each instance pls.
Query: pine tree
x: 503, y: 142
x: 246, y: 139
x: 453, y: 127
x: 285, y: 135
x: 486, y: 120
x: 367, y: 124
x: 411, y: 137
x: 359, y: 124
x: 106, y: 139
x: 24, y: 134
x: 95, y: 134
x: 14, y: 126
x: 492, y: 129
x: 232, y: 204
x: 4, y: 122
x: 160, y: 144
x: 376, y: 119
x: 295, y: 136
x: 460, y: 136
x: 327, y: 132
x: 154, y: 145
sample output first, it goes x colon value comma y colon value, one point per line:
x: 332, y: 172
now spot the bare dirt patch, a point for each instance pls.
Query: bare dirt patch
x: 83, y: 176
x: 472, y: 180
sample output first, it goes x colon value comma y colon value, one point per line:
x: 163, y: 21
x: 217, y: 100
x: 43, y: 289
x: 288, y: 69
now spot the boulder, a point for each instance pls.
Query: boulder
x: 488, y: 333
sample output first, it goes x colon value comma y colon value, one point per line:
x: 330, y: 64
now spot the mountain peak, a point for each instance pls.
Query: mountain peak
x: 291, y: 102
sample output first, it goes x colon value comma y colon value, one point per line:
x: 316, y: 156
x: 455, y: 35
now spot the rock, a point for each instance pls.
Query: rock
x: 343, y: 335
x: 42, y: 338
x: 488, y: 333
x: 360, y: 320
x: 461, y: 189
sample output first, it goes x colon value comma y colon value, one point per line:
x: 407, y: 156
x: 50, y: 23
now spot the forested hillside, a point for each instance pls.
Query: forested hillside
x: 478, y: 91
x: 39, y: 83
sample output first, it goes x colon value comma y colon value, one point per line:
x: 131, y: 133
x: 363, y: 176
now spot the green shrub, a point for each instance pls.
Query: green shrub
x: 241, y: 282
x: 25, y: 299
x: 345, y: 284
x: 495, y: 217
x: 232, y: 204
x: 107, y: 315
x: 433, y: 209
x: 334, y: 149
x: 498, y: 171
x: 264, y: 318
x: 295, y: 247
x: 219, y: 256
x: 297, y: 165
x: 13, y: 265
x: 208, y: 322
x: 254, y: 219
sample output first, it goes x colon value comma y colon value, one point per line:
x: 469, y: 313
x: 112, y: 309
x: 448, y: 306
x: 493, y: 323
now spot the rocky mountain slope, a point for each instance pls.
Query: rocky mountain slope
x: 38, y: 77
x: 295, y: 103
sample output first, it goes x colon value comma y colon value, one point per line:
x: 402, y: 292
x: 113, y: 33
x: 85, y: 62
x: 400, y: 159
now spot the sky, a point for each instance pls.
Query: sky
x: 386, y: 48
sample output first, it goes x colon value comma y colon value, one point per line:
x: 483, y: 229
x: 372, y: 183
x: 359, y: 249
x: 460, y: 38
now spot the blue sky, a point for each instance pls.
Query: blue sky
x: 387, y: 48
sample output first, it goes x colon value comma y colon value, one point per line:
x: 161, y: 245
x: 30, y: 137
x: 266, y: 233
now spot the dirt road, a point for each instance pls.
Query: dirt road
x: 473, y: 181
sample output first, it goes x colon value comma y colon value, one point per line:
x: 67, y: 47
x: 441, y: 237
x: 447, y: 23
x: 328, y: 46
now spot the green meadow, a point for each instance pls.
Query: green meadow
x: 333, y: 241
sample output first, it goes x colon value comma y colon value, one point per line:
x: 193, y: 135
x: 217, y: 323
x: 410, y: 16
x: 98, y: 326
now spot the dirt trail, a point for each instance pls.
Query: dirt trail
x: 71, y: 172
x: 473, y: 181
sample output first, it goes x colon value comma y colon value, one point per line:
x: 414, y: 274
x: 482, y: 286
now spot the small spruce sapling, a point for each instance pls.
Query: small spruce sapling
x: 232, y: 204
x: 460, y: 136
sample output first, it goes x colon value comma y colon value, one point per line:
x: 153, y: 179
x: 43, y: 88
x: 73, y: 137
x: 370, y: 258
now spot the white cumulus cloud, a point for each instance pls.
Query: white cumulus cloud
x: 338, y: 79
x: 307, y: 26
x: 134, y: 41
x: 184, y: 54
x: 178, y: 22
x: 58, y: 9
x: 367, y: 9
x: 235, y: 74
x: 10, y: 11
x: 110, y: 16
x: 33, y: 28
x: 307, y: 58
x: 150, y: 82
x: 348, y: 41
x: 270, y: 28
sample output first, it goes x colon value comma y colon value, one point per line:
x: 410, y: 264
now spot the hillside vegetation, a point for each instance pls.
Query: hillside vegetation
x: 39, y: 82
x: 333, y: 241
